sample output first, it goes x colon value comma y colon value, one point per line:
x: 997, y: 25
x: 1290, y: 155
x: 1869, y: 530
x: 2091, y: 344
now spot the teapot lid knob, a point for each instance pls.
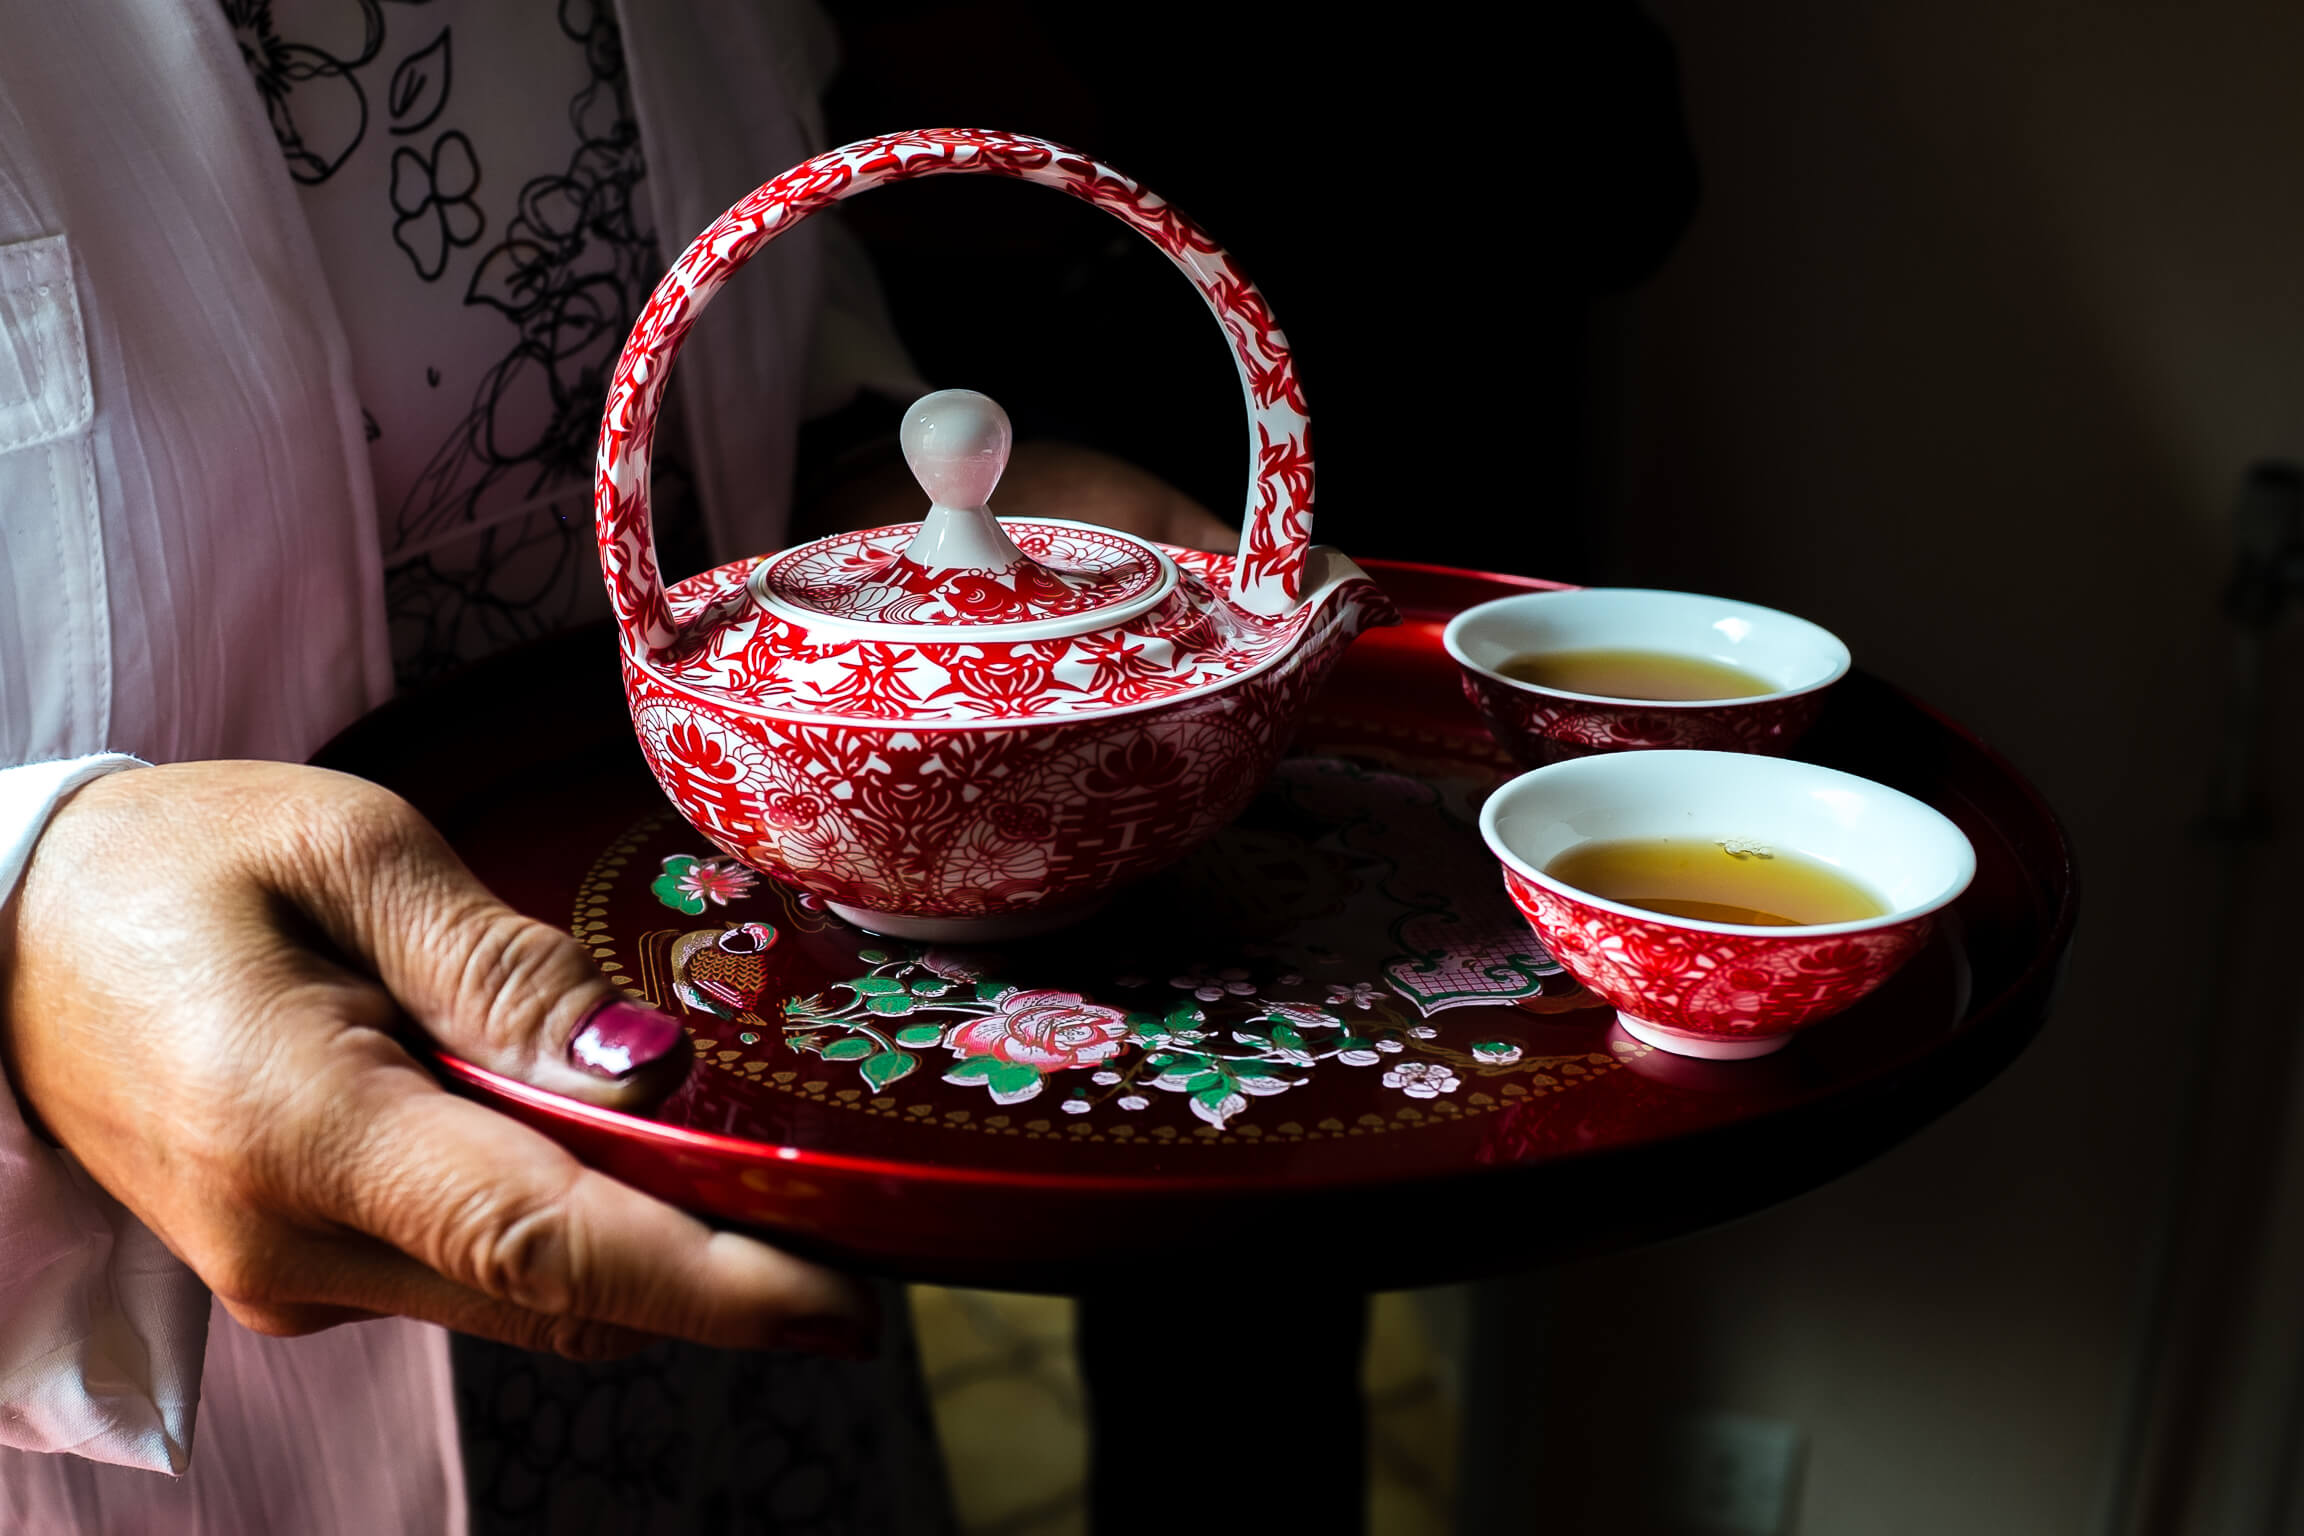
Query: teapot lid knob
x: 956, y: 441
x: 962, y: 573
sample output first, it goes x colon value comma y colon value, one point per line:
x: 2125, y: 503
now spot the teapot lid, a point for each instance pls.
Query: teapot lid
x: 960, y: 568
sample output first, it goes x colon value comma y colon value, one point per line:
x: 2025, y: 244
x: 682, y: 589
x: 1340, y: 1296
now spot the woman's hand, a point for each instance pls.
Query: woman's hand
x: 210, y: 963
x: 1043, y: 479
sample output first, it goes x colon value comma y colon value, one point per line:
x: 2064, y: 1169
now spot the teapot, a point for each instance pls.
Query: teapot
x: 971, y: 728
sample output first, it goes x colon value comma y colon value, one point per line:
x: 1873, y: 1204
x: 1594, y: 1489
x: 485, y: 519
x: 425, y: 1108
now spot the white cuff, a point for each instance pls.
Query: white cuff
x: 102, y: 1330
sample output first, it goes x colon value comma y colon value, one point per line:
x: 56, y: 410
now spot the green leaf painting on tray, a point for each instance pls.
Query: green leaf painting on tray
x: 1212, y: 1056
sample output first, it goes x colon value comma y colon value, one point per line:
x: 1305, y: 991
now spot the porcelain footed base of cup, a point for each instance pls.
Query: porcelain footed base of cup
x: 1697, y: 1046
x: 995, y: 929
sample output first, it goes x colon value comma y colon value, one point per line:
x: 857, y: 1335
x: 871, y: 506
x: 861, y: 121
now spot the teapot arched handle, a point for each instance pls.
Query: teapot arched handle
x: 1276, y: 525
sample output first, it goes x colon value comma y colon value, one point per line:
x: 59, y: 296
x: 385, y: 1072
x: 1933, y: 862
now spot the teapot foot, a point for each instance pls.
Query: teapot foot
x: 994, y: 928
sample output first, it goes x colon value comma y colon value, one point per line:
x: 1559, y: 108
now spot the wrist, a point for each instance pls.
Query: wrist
x: 31, y: 798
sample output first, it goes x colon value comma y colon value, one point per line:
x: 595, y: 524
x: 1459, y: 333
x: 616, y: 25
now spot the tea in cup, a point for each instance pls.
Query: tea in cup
x: 1722, y: 900
x: 1564, y: 674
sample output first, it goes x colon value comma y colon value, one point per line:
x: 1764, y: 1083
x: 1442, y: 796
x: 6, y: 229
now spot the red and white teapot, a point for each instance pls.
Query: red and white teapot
x: 968, y: 728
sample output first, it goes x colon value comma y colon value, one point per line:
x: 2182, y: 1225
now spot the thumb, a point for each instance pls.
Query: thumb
x: 501, y: 990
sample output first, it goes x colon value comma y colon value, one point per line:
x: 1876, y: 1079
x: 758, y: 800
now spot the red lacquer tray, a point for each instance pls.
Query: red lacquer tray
x: 1323, y: 1048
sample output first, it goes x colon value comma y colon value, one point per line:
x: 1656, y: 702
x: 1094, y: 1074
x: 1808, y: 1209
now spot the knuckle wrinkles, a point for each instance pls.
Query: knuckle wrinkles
x: 358, y: 831
x: 515, y: 965
x: 524, y: 1254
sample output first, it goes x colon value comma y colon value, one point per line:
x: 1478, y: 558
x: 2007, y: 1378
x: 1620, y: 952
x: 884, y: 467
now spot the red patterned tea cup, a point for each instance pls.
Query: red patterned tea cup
x: 1539, y: 725
x: 1724, y: 990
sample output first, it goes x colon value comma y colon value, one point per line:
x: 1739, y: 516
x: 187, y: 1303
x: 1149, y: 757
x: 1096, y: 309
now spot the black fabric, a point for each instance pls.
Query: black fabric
x: 686, y: 1441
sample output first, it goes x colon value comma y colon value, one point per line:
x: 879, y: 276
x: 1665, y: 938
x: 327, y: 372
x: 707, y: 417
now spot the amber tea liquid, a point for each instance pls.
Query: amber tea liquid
x: 1632, y: 674
x: 1716, y: 881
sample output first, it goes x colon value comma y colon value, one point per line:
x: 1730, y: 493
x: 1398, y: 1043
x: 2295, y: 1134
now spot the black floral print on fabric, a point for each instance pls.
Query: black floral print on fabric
x: 318, y: 108
x: 420, y: 85
x: 570, y: 272
x: 574, y: 256
x: 434, y: 198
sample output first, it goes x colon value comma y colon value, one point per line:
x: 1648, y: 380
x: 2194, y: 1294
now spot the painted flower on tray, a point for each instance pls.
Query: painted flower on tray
x: 1360, y: 994
x: 688, y: 883
x: 1043, y: 1029
x: 1421, y: 1079
x: 1495, y: 1053
x: 1229, y: 982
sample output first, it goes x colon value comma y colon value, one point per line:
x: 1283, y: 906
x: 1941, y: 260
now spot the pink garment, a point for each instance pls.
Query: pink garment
x: 351, y: 1432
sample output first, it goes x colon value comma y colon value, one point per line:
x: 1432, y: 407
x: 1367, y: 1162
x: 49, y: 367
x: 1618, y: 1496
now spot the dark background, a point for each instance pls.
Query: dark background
x: 1430, y: 204
x: 1955, y: 325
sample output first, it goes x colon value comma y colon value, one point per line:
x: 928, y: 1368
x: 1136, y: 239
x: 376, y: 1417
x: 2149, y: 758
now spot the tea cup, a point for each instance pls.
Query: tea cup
x: 1537, y: 724
x: 1724, y: 991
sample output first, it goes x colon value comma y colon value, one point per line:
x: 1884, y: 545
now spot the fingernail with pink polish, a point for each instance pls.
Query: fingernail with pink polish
x: 620, y: 1037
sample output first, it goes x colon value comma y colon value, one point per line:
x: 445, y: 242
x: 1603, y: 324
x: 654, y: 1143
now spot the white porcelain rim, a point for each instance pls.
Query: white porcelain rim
x: 1601, y: 764
x: 1450, y: 641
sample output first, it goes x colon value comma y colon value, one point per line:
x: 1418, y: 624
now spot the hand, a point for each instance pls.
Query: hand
x: 1043, y: 479
x: 210, y: 963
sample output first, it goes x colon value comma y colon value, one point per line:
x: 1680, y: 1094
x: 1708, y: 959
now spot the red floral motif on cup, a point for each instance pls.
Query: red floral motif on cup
x: 1718, y: 985
x: 1537, y: 728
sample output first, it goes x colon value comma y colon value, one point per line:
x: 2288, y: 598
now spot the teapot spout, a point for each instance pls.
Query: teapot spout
x: 1353, y: 601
